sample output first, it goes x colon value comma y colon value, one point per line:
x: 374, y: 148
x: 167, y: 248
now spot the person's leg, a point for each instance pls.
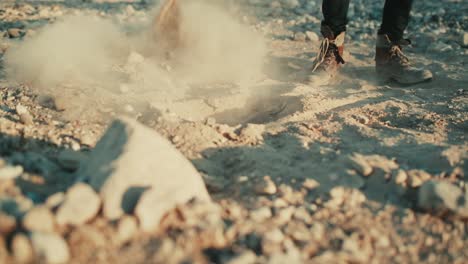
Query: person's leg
x: 390, y: 62
x: 395, y: 18
x: 335, y: 15
x: 329, y: 56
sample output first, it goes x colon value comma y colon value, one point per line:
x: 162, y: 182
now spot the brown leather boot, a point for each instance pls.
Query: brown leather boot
x: 392, y: 64
x: 329, y: 57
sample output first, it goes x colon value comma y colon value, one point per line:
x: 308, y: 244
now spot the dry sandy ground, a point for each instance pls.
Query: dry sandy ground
x: 354, y: 136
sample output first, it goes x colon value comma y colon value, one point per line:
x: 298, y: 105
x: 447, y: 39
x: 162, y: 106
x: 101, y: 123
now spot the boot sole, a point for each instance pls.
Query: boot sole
x: 386, y: 78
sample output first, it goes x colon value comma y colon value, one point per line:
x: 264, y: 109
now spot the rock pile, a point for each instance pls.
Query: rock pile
x: 132, y: 170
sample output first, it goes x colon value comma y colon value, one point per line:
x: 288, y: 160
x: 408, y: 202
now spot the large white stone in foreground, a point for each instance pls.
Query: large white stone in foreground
x: 130, y: 160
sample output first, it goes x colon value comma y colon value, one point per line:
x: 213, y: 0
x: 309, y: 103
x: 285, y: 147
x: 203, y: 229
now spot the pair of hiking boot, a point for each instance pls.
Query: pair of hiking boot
x: 390, y: 62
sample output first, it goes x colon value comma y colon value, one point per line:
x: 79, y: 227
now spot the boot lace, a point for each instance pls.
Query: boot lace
x: 397, y: 55
x: 328, y: 53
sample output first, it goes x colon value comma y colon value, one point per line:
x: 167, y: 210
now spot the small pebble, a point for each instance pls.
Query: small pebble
x: 81, y: 204
x: 265, y: 186
x: 299, y: 36
x: 10, y: 172
x: 126, y: 228
x: 261, y: 214
x: 312, y: 36
x: 39, y: 219
x: 15, y: 32
x: 50, y: 247
x: 7, y: 224
x: 310, y: 184
x: 22, y: 249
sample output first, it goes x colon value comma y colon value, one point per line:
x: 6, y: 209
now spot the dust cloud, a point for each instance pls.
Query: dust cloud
x: 86, y: 59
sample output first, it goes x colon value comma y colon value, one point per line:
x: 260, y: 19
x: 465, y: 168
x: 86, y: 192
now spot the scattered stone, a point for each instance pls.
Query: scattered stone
x: 22, y: 249
x: 55, y: 200
x: 361, y: 165
x: 261, y: 214
x: 252, y: 133
x: 132, y: 163
x: 310, y: 184
x: 401, y: 177
x: 81, y: 204
x: 88, y: 139
x: 417, y: 177
x: 50, y: 247
x: 265, y: 186
x: 312, y: 36
x: 15, y: 32
x: 302, y: 214
x: 39, y: 219
x: 366, y: 165
x: 317, y: 231
x: 10, y: 172
x: 24, y: 115
x: 341, y: 195
x: 126, y: 228
x: 299, y: 36
x: 284, y: 215
x: 442, y: 197
x: 7, y: 224
x: 274, y: 236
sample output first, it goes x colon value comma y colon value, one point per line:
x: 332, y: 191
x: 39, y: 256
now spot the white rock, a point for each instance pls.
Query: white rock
x: 361, y: 165
x: 261, y: 214
x: 133, y: 163
x: 10, y: 172
x: 81, y: 204
x: 299, y: 36
x: 22, y: 249
x: 265, y: 186
x: 312, y: 36
x: 126, y: 228
x: 310, y: 184
x: 20, y: 109
x: 39, y: 219
x: 252, y: 133
x: 51, y: 247
x: 7, y: 224
x: 441, y: 197
x: 24, y: 115
x: 401, y: 177
x: 55, y: 200
x: 274, y: 236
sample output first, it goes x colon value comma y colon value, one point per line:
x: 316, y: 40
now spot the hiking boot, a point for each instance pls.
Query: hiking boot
x: 392, y: 64
x: 329, y: 57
